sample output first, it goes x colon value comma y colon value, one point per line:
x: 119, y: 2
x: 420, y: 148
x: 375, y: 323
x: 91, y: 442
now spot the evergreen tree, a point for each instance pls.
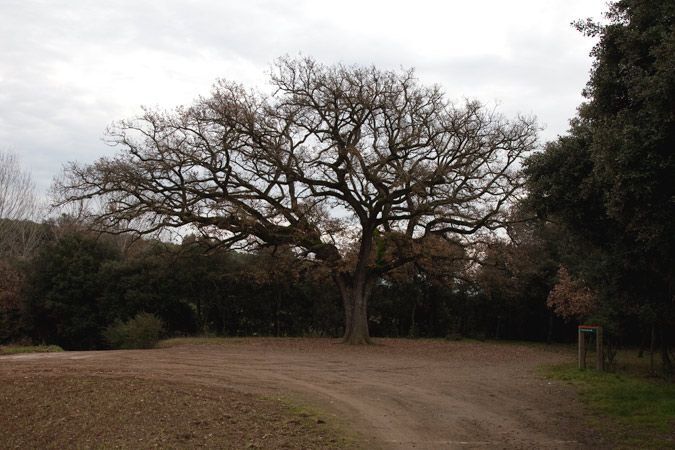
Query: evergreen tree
x: 610, y: 181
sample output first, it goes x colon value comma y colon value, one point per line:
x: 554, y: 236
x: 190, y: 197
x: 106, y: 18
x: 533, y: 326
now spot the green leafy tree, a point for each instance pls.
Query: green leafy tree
x: 64, y: 288
x: 610, y: 181
x: 152, y: 279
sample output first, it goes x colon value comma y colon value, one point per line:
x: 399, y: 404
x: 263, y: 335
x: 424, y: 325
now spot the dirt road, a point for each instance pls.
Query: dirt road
x: 398, y: 394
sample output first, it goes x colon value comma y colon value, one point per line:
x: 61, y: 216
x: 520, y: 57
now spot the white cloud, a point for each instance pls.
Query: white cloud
x: 67, y: 69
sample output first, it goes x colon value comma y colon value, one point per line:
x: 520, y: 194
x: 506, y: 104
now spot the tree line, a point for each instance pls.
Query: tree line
x: 78, y: 282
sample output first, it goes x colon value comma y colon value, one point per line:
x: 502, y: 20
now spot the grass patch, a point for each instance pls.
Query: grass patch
x: 638, y: 412
x: 628, y: 362
x: 12, y: 350
x: 307, y: 414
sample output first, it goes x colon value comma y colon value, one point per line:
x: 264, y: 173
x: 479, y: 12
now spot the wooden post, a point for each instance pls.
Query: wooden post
x: 599, y: 358
x: 582, y: 350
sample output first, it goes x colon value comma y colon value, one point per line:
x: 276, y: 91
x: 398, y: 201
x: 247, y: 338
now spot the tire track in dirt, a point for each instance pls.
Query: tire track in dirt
x: 426, y: 395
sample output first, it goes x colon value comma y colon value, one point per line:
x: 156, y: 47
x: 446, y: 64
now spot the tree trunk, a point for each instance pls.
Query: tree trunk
x: 355, y: 293
x: 277, y: 312
x: 499, y: 324
x: 412, y: 333
x: 665, y: 356
x: 651, y: 350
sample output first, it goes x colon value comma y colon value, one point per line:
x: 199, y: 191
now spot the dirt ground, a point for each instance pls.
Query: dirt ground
x: 397, y: 394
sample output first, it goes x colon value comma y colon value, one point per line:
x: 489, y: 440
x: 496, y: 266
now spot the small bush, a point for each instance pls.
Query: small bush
x: 143, y: 331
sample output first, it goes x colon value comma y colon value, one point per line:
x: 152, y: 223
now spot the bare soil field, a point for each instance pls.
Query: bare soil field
x: 397, y: 394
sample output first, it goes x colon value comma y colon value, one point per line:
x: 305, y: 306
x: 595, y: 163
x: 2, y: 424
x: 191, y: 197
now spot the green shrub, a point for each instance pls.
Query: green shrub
x: 143, y: 331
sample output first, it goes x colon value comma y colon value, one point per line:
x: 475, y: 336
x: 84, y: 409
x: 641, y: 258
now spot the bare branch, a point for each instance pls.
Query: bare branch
x: 338, y: 155
x: 19, y: 208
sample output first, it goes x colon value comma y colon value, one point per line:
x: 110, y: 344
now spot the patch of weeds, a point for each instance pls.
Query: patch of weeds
x: 308, y: 417
x: 12, y: 350
x: 640, y: 412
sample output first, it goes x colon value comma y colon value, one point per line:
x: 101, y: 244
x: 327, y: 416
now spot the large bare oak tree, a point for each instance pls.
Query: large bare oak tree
x: 356, y: 168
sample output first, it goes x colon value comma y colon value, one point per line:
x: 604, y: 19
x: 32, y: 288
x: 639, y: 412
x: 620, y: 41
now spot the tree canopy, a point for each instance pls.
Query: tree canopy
x: 610, y: 181
x: 356, y: 168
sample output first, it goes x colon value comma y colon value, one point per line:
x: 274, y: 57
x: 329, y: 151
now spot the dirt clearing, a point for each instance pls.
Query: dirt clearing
x: 398, y: 394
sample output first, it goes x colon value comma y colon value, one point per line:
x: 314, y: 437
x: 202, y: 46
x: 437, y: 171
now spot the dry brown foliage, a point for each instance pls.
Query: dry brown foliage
x: 570, y: 299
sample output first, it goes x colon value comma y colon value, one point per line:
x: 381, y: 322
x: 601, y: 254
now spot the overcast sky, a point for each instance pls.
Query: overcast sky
x: 68, y: 68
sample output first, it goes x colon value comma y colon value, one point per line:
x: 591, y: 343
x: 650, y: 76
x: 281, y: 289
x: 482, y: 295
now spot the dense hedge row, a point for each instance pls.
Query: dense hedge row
x: 79, y: 284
